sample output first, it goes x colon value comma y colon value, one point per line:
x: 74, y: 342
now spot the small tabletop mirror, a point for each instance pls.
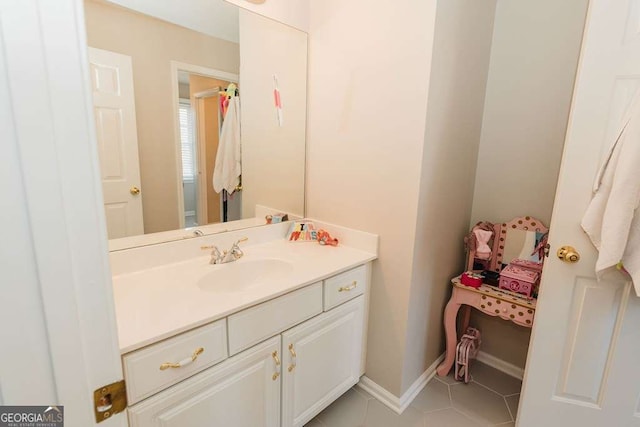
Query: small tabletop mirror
x: 522, y: 237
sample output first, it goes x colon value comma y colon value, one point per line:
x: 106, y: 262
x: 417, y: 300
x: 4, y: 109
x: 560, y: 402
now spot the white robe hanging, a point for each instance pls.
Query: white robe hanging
x: 228, y: 166
x: 612, y: 220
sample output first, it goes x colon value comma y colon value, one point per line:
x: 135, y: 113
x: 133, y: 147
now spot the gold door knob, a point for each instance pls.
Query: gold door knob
x: 568, y: 254
x: 134, y: 190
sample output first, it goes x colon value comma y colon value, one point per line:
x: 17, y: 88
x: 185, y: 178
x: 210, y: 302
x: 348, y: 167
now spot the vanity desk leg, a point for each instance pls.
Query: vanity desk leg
x: 458, y: 298
x: 466, y: 318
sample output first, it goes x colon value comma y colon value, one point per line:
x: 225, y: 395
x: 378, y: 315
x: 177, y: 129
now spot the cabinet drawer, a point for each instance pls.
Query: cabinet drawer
x: 344, y: 286
x: 142, y: 368
x: 508, y: 311
x: 265, y: 320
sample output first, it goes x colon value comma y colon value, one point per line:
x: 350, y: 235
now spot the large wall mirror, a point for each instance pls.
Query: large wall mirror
x: 189, y: 130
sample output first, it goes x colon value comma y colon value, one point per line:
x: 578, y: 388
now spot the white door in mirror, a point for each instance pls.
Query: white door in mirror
x: 114, y: 109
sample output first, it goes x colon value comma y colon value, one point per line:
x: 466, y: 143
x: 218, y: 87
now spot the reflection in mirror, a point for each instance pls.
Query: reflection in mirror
x: 521, y: 238
x: 202, y: 106
x: 159, y: 81
x: 522, y: 244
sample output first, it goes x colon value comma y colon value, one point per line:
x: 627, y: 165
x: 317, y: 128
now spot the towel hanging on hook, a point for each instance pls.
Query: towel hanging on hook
x: 230, y: 92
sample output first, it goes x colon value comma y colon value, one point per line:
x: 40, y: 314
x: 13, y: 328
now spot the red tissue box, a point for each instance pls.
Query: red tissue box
x: 472, y: 279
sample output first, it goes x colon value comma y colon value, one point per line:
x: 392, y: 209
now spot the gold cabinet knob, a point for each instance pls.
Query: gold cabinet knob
x: 568, y: 254
x: 134, y: 190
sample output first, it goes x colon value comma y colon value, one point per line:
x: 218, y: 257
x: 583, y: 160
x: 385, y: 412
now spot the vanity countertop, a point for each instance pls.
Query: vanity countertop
x: 160, y: 302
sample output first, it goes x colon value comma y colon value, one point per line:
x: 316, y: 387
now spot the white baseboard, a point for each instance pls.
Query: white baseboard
x: 501, y: 365
x: 399, y: 404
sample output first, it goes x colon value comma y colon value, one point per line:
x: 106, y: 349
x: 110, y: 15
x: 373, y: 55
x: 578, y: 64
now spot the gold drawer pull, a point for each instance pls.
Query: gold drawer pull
x: 276, y: 359
x: 353, y: 285
x: 292, y: 350
x: 184, y: 362
x: 293, y: 357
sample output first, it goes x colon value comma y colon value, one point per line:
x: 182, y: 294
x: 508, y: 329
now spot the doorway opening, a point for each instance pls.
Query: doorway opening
x: 199, y: 115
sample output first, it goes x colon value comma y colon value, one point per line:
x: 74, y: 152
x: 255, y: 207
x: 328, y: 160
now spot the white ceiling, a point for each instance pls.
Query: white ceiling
x: 216, y: 18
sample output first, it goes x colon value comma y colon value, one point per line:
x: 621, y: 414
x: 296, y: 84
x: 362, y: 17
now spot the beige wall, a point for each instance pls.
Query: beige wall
x: 374, y: 163
x: 216, y: 18
x: 273, y: 157
x: 533, y: 63
x: 365, y: 146
x: 152, y: 44
x: 458, y: 80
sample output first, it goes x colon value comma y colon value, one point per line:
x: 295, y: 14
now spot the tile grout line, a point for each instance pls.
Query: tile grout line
x: 366, y: 411
x: 467, y: 416
x: 504, y: 397
x: 426, y: 413
x: 424, y: 420
x: 489, y: 388
x: 462, y: 411
x: 437, y: 377
x: 366, y: 397
x: 508, y: 409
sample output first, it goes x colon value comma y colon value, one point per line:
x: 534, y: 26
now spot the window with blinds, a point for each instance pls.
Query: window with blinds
x: 187, y: 140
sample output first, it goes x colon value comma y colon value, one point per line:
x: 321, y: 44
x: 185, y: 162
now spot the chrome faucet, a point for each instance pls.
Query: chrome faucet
x: 233, y: 254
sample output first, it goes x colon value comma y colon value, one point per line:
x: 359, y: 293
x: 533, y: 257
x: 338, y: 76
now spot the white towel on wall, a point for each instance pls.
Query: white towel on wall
x: 228, y: 166
x: 612, y: 220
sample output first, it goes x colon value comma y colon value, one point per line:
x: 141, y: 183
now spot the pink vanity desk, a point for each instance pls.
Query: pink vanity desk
x: 488, y: 299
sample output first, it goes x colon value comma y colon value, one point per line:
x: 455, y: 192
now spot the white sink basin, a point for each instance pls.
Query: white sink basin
x: 243, y: 276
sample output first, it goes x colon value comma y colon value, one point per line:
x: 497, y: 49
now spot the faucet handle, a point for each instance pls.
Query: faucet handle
x: 235, y: 250
x: 216, y: 256
x: 236, y: 245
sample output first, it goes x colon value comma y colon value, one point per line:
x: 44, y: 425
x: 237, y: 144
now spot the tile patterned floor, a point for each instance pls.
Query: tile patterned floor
x: 491, y: 399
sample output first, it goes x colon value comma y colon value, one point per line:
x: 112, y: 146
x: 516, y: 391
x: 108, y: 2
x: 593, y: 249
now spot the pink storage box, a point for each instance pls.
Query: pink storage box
x: 517, y: 279
x: 530, y: 265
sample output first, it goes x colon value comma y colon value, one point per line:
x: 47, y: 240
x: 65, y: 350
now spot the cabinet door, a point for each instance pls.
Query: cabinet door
x: 322, y: 361
x: 243, y: 391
